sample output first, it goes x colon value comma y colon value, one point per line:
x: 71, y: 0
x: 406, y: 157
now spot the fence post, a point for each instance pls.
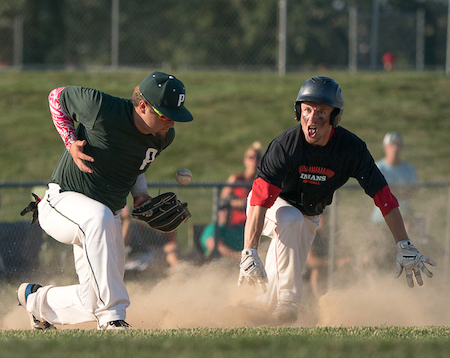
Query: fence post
x: 18, y: 42
x: 332, y: 241
x: 447, y: 58
x: 374, y: 36
x: 353, y: 39
x: 115, y: 34
x: 215, y: 214
x: 447, y: 238
x: 420, y: 41
x: 282, y: 37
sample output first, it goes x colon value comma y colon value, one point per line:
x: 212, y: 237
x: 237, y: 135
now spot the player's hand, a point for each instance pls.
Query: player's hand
x: 252, y: 269
x: 410, y: 259
x: 77, y: 152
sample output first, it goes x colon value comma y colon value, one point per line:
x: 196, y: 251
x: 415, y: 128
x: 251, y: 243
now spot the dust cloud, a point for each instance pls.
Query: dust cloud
x: 208, y: 297
x: 386, y: 301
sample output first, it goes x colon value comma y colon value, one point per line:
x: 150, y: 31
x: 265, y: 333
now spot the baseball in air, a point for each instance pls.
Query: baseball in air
x: 183, y: 176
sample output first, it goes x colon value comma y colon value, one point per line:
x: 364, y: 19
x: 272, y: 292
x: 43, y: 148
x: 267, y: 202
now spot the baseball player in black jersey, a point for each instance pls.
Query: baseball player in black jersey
x: 296, y: 179
x: 107, y: 155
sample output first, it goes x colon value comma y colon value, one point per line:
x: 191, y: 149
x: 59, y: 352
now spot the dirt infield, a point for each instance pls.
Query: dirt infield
x: 208, y: 296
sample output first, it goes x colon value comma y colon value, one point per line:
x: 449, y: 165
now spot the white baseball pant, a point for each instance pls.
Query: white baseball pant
x: 292, y: 235
x: 98, y: 248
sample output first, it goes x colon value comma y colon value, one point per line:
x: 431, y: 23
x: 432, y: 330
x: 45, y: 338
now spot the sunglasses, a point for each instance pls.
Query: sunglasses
x: 158, y: 113
x: 252, y: 156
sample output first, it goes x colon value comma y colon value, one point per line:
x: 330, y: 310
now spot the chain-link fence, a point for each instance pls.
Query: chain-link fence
x: 25, y: 250
x: 230, y: 34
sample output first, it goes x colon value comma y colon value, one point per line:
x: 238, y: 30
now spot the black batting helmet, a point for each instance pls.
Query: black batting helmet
x: 323, y: 90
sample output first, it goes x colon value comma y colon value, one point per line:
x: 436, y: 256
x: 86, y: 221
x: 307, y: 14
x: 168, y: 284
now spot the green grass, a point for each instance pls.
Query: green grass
x: 231, y: 342
x: 231, y: 110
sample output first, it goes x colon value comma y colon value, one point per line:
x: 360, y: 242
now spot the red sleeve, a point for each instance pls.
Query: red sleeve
x: 263, y: 193
x: 385, y: 200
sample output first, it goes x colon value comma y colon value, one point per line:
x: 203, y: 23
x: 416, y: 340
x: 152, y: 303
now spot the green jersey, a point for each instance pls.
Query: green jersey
x: 121, y: 153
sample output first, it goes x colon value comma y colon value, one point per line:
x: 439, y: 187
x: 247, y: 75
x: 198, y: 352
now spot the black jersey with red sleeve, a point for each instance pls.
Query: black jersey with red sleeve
x: 309, y: 175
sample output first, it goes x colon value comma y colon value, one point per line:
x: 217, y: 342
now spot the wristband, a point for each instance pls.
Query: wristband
x: 405, y: 244
x: 250, y: 252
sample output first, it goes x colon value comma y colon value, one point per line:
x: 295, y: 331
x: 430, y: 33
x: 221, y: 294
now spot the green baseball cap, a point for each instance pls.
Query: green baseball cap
x: 167, y: 94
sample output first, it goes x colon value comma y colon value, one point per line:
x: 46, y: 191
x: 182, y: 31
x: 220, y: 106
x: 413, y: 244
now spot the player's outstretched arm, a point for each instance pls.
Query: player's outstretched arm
x: 251, y: 268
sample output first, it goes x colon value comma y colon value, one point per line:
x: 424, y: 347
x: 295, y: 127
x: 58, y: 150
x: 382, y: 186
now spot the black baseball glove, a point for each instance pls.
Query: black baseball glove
x: 32, y: 207
x: 163, y: 212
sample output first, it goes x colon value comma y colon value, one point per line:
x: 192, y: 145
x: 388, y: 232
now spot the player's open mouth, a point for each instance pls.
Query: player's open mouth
x: 312, y: 130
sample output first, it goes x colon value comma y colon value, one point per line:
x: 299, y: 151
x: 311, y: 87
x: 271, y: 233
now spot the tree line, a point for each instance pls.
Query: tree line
x: 215, y: 33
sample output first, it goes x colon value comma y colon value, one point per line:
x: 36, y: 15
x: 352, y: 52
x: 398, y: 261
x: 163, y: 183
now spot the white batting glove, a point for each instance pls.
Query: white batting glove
x: 410, y: 259
x: 252, y: 269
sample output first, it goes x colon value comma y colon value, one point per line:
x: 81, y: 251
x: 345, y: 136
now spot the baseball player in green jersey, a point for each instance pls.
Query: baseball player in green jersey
x: 107, y: 155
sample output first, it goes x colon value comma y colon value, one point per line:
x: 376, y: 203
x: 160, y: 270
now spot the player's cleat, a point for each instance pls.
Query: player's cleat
x: 285, y: 313
x: 24, y: 290
x: 119, y: 325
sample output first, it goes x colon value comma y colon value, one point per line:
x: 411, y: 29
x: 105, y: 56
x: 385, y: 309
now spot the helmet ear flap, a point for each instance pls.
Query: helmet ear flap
x: 297, y: 110
x: 333, y: 115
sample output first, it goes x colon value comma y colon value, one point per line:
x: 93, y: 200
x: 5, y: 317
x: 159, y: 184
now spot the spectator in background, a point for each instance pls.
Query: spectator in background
x: 401, y: 177
x: 236, y: 197
x: 316, y: 268
x: 229, y: 238
x: 389, y: 60
x: 316, y: 272
x: 141, y: 241
x: 232, y: 206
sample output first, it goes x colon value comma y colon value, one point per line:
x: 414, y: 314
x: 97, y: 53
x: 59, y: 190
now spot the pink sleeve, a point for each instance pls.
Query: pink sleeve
x: 385, y: 200
x: 64, y: 125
